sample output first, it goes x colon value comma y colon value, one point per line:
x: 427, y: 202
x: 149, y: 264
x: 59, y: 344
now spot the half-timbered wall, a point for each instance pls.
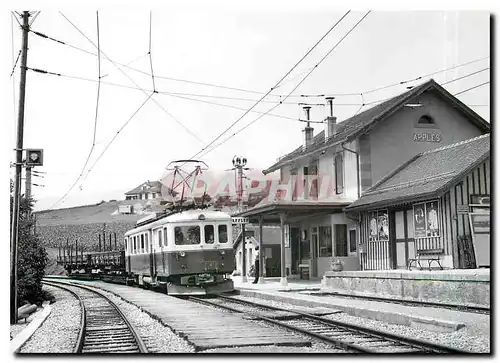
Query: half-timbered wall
x: 453, y: 222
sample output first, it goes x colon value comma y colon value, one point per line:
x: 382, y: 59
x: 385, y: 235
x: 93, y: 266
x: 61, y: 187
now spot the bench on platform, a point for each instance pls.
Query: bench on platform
x: 304, y: 271
x: 430, y: 255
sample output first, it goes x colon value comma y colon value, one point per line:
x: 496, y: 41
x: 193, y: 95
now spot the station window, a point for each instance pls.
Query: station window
x: 352, y: 240
x: 187, y: 235
x: 341, y: 240
x: 339, y: 174
x: 160, y: 239
x: 165, y: 237
x: 209, y: 234
x: 222, y: 233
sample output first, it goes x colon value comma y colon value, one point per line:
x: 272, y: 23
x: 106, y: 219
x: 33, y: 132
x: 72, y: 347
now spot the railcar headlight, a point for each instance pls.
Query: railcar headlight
x: 182, y: 254
x: 222, y: 252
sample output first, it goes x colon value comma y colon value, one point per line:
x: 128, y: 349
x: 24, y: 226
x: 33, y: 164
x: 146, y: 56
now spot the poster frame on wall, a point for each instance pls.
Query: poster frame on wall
x: 422, y: 230
x: 436, y: 232
x: 384, y: 216
x: 374, y: 225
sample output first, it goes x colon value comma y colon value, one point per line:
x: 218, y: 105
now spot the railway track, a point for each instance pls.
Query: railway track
x: 349, y: 337
x: 104, y: 328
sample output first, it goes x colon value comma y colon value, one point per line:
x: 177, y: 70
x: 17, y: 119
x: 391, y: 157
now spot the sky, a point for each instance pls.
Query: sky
x: 246, y: 48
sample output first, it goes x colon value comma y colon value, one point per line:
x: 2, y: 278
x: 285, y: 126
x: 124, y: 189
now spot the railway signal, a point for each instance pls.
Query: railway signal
x: 34, y: 157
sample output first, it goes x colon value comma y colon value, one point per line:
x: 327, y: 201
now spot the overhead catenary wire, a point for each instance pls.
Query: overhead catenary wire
x: 336, y: 94
x: 34, y: 17
x: 424, y: 76
x: 471, y: 88
x: 293, y: 90
x: 237, y: 98
x: 156, y: 76
x: 465, y: 76
x: 15, y: 17
x: 96, y: 111
x: 175, y: 95
x: 15, y: 63
x: 180, y: 96
x: 103, y: 152
x: 118, y: 132
x: 237, y: 108
x: 132, y: 80
x: 442, y: 84
x: 272, y: 88
x: 150, y: 56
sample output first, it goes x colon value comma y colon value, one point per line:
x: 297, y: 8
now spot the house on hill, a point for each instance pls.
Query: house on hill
x: 334, y: 168
x: 147, y: 190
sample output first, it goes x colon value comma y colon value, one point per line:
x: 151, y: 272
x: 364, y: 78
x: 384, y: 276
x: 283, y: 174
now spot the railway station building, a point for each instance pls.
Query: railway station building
x: 344, y: 163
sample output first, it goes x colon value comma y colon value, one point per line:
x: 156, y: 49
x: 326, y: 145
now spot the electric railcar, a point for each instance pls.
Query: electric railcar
x: 185, y: 253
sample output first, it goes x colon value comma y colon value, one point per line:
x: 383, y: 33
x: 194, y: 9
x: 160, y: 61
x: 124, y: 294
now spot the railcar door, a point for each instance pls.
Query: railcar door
x: 152, y: 266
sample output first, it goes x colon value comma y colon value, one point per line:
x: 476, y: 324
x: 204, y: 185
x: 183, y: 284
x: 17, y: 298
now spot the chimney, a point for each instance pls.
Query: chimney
x: 330, y: 121
x: 308, y: 130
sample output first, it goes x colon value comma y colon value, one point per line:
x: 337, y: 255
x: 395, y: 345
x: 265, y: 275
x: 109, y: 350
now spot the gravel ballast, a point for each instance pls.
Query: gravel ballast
x: 473, y: 337
x: 59, y: 332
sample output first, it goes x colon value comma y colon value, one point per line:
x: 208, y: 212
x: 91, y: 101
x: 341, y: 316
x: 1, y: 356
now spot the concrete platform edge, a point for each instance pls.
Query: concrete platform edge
x: 21, y: 338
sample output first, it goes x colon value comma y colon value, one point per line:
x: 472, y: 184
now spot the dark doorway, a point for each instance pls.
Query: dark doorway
x: 295, y: 245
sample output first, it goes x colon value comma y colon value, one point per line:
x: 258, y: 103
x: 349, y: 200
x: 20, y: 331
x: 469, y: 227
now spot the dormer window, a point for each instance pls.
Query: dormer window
x: 426, y: 120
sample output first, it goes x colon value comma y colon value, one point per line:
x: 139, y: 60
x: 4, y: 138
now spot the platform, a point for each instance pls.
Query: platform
x: 469, y: 287
x: 309, y: 294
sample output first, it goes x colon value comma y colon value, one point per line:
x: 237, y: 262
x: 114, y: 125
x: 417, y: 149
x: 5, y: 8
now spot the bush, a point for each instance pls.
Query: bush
x: 32, y: 257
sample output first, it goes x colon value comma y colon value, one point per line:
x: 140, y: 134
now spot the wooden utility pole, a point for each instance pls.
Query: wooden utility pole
x: 28, y: 182
x: 19, y: 163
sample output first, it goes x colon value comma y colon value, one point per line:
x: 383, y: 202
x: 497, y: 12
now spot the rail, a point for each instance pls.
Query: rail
x: 79, y: 347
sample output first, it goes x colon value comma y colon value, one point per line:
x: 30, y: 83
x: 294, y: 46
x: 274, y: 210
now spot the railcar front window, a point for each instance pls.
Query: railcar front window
x: 165, y: 236
x: 209, y: 234
x: 160, y: 239
x: 187, y: 235
x: 142, y: 243
x: 135, y: 244
x: 222, y: 233
x: 147, y: 242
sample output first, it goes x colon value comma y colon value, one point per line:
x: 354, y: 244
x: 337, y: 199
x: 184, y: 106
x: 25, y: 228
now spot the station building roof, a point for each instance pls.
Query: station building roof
x: 427, y: 174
